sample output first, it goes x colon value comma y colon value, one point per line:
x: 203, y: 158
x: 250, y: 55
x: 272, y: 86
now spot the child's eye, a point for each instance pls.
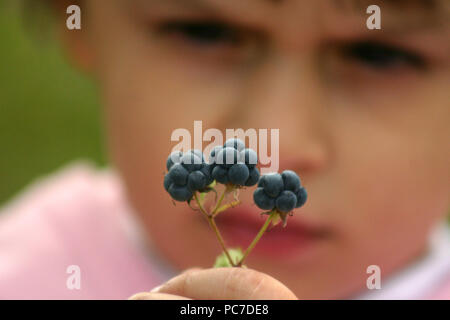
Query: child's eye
x: 204, y: 33
x: 382, y: 57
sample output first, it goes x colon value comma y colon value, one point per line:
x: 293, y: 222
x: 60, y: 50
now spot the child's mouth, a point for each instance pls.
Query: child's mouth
x: 240, y: 225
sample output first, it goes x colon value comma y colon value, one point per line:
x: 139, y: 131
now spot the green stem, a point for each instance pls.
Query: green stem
x: 220, y: 201
x: 202, y: 210
x: 257, y: 238
x: 213, y: 226
x: 226, y: 207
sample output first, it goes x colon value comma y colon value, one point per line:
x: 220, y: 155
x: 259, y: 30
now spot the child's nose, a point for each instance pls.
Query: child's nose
x: 285, y: 93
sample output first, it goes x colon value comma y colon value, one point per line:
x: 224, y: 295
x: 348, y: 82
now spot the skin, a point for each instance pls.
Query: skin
x: 230, y: 283
x: 370, y: 143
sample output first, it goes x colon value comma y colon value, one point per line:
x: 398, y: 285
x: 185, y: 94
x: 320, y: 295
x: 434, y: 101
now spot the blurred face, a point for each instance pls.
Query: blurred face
x: 363, y: 118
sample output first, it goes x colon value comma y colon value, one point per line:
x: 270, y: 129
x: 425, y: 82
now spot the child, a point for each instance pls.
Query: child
x: 363, y: 117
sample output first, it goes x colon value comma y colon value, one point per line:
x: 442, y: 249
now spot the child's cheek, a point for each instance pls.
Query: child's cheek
x: 394, y: 196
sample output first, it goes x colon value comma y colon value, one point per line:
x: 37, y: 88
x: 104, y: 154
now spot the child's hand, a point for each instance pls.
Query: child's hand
x: 220, y: 284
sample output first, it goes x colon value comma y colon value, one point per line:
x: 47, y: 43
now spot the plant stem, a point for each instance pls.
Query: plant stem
x: 213, y: 226
x: 226, y: 207
x: 202, y: 210
x: 257, y: 238
x: 220, y: 201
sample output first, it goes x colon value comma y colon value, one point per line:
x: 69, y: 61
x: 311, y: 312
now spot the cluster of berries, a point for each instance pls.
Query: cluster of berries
x: 187, y: 174
x: 282, y: 192
x: 234, y: 164
x: 230, y: 164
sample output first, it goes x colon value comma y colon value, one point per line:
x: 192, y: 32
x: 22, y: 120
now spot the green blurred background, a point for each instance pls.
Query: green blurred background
x: 49, y: 113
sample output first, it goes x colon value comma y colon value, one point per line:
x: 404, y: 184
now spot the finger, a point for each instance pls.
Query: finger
x: 227, y: 283
x: 156, y: 296
x: 191, y: 270
x: 156, y: 289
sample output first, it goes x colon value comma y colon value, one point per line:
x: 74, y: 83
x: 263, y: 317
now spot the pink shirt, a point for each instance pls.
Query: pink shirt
x: 79, y: 217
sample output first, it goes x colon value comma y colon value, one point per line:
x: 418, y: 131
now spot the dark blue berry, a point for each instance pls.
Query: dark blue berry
x: 291, y: 180
x: 220, y: 174
x: 286, y: 201
x: 167, y: 182
x: 198, y: 153
x: 250, y: 157
x: 272, y: 184
x: 213, y: 154
x: 261, y: 181
x: 227, y: 157
x: 178, y: 174
x: 180, y: 193
x: 302, y: 196
x: 174, y: 157
x: 253, y: 177
x: 196, y: 181
x: 191, y: 162
x: 207, y: 171
x: 238, y: 174
x: 235, y: 143
x: 262, y: 200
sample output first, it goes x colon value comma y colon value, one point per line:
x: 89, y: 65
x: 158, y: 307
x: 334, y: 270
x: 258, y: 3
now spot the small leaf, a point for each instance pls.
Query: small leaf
x: 213, y: 184
x: 275, y: 220
x: 228, y: 206
x: 236, y: 255
x: 283, y: 217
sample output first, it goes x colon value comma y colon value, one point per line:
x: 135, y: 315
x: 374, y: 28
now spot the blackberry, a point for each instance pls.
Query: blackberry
x: 238, y: 174
x: 187, y: 174
x: 283, y: 190
x: 286, y: 201
x: 174, y: 157
x: 233, y: 164
x: 235, y: 143
x: 262, y: 200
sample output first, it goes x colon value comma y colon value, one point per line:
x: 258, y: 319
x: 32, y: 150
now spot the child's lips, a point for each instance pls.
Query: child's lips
x: 239, y: 226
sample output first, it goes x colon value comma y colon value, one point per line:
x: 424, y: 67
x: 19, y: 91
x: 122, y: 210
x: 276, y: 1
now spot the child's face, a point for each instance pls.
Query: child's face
x: 363, y: 118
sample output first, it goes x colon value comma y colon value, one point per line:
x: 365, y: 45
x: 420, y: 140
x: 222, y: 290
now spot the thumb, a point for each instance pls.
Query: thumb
x: 155, y: 296
x: 227, y: 283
